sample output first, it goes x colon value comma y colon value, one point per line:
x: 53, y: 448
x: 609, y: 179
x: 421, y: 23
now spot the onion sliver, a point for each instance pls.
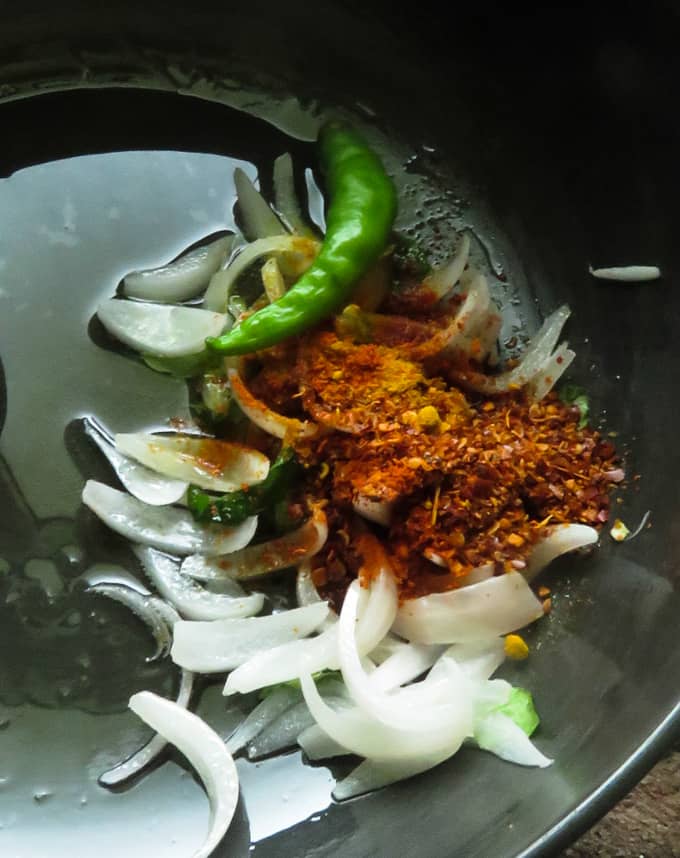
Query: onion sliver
x: 166, y: 528
x: 219, y: 466
x: 559, y: 540
x: 191, y: 600
x: 371, y: 775
x: 302, y: 251
x: 442, y: 280
x: 264, y: 713
x: 375, y: 740
x: 263, y: 416
x: 551, y: 372
x: 144, y: 606
x: 405, y: 665
x: 206, y: 752
x: 307, y: 594
x: 392, y: 710
x: 531, y: 362
x: 280, y: 553
x: 160, y: 330
x: 478, y: 659
x: 286, y: 662
x: 488, y: 609
x: 145, y: 484
x: 285, y: 198
x: 208, y: 569
x: 221, y: 645
x: 499, y: 734
x: 182, y: 279
x: 627, y: 273
x: 259, y: 221
x: 317, y: 745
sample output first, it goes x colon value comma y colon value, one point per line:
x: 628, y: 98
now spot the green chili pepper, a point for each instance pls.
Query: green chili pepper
x: 362, y: 207
x: 235, y: 507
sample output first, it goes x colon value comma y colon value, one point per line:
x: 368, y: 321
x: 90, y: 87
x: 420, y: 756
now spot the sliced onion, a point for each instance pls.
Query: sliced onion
x: 191, y: 600
x: 145, y: 484
x: 221, y: 645
x: 272, y: 280
x: 627, y: 273
x: 375, y: 740
x: 479, y: 573
x: 378, y: 511
x: 473, y: 313
x: 182, y: 279
x: 307, y: 594
x: 285, y: 198
x: 442, y: 280
x: 144, y: 606
x: 551, y: 372
x: 160, y: 617
x: 206, y: 752
x: 488, y: 609
x: 264, y: 713
x: 160, y: 330
x: 371, y: 775
x: 259, y: 221
x: 478, y: 659
x: 219, y: 466
x: 263, y: 416
x: 208, y: 569
x: 558, y: 540
x: 166, y: 528
x: 499, y: 734
x: 318, y: 745
x: 301, y: 251
x: 405, y: 665
x: 285, y: 662
x: 280, y: 553
x: 531, y: 363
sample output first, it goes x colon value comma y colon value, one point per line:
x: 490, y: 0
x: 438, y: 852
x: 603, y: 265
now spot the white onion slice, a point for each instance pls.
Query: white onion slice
x: 285, y: 198
x: 219, y: 466
x: 531, y: 363
x: 498, y: 733
x: 488, y: 609
x: 307, y: 594
x: 143, y: 605
x: 558, y: 540
x: 264, y: 713
x: 221, y: 645
x: 375, y: 740
x: 182, y: 279
x: 166, y: 528
x: 259, y: 221
x: 160, y: 330
x: 279, y: 553
x: 206, y: 752
x: 551, y: 372
x: 442, y: 280
x: 286, y: 662
x: 191, y: 600
x: 627, y: 273
x: 272, y: 280
x: 478, y: 659
x: 377, y: 511
x: 405, y: 665
x: 318, y: 745
x: 479, y: 573
x: 263, y: 416
x: 208, y: 569
x: 301, y: 252
x: 473, y: 312
x: 371, y: 775
x: 145, y: 484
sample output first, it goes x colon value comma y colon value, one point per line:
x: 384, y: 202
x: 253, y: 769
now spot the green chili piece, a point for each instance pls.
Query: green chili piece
x: 362, y: 207
x: 235, y: 507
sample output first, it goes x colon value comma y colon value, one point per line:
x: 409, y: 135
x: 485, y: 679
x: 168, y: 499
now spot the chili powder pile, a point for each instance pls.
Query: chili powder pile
x: 456, y: 481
